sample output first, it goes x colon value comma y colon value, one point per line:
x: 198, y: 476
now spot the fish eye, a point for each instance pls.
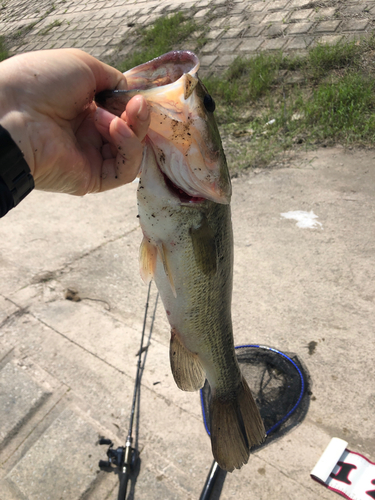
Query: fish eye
x: 209, y: 103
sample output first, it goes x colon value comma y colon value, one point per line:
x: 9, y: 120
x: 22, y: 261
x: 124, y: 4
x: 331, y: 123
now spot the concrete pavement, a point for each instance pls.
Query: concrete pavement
x: 67, y: 368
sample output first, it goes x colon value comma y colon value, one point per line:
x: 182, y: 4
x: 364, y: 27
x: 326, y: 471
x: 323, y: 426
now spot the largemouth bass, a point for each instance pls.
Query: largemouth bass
x: 183, y: 202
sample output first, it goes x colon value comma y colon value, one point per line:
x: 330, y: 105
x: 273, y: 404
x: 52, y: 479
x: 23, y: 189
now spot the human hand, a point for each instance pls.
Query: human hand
x: 70, y: 145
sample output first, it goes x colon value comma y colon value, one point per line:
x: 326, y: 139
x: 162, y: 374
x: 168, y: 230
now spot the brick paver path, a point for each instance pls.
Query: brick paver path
x: 233, y: 27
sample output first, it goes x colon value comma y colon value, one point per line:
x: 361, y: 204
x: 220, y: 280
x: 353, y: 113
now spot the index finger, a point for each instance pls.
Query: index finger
x: 106, y: 76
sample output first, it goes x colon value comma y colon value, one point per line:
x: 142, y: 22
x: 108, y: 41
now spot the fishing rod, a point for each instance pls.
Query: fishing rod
x: 125, y: 457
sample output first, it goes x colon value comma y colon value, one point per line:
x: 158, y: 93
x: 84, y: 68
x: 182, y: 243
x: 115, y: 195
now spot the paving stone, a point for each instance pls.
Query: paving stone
x: 20, y: 396
x: 327, y: 26
x: 59, y: 44
x: 257, y: 18
x: 259, y: 6
x: 251, y: 44
x: 298, y: 4
x: 7, y: 309
x: 299, y: 28
x: 275, y: 30
x: 66, y: 449
x: 254, y: 30
x: 355, y: 25
x: 275, y: 17
x: 234, y: 33
x: 73, y: 36
x: 277, y: 5
x: 299, y: 43
x: 226, y: 60
x: 208, y: 60
x: 232, y: 21
x: 352, y: 10
x: 40, y: 46
x: 328, y: 39
x: 201, y: 13
x: 210, y: 47
x: 300, y: 14
x: 217, y: 23
x: 90, y: 43
x: 213, y: 34
x: 228, y: 45
x: 274, y: 44
x: 323, y: 14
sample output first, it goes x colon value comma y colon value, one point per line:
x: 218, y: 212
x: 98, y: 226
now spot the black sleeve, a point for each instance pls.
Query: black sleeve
x: 16, y: 180
x: 6, y: 199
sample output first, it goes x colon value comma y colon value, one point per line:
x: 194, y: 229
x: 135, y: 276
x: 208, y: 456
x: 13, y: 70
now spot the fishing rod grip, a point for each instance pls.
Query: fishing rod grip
x: 210, y: 481
x: 125, y: 475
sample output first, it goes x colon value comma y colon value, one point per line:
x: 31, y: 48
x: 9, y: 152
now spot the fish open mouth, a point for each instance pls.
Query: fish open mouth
x: 179, y: 193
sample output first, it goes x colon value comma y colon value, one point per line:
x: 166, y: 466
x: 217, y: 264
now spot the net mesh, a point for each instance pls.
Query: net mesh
x: 280, y: 385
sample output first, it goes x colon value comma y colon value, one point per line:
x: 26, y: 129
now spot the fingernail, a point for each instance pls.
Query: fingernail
x: 121, y: 128
x: 122, y: 85
x: 103, y: 117
x: 143, y: 111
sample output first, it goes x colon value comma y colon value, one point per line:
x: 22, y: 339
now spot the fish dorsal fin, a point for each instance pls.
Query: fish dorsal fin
x: 167, y: 269
x: 147, y: 260
x: 186, y: 368
x: 204, y: 246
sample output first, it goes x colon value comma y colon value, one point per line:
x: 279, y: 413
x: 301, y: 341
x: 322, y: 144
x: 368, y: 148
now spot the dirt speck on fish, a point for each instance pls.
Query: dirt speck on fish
x: 183, y: 201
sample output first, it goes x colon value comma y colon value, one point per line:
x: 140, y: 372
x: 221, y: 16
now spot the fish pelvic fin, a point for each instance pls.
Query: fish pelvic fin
x: 186, y: 367
x: 235, y: 427
x: 147, y: 260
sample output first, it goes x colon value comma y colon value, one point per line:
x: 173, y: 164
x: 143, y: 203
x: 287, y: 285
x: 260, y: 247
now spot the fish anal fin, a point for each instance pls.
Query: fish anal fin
x: 147, y: 260
x: 167, y: 269
x: 186, y: 368
x: 235, y: 427
x: 204, y: 246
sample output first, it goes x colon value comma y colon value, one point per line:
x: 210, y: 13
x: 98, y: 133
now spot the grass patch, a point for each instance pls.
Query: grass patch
x: 167, y: 33
x: 342, y: 110
x: 4, y: 54
x: 269, y: 104
x: 246, y: 79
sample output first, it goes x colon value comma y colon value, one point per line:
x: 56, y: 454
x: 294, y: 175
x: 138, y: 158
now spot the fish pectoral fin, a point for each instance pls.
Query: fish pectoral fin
x: 204, y: 246
x: 235, y: 426
x: 147, y: 260
x: 162, y: 251
x: 187, y: 370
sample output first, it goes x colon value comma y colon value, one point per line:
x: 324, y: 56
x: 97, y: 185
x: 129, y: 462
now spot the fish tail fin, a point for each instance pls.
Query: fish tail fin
x: 186, y: 367
x: 235, y: 427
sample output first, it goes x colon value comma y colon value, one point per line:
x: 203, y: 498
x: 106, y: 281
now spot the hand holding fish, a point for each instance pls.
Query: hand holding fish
x: 70, y: 145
